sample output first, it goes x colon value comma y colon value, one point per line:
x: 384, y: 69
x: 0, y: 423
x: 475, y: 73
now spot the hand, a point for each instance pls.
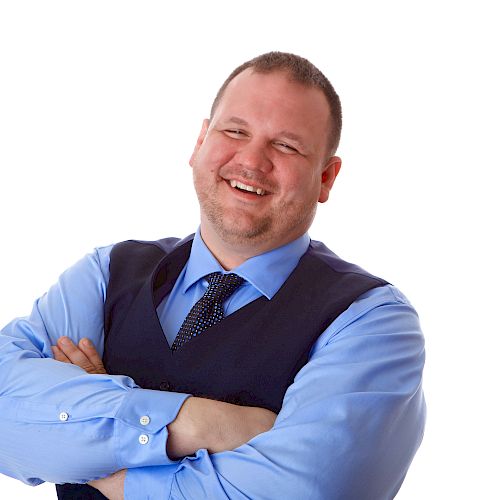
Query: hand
x: 214, y: 425
x: 83, y: 355
x: 112, y: 486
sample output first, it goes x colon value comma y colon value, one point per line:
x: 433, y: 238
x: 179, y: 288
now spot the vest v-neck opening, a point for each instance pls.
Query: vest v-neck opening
x: 166, y: 285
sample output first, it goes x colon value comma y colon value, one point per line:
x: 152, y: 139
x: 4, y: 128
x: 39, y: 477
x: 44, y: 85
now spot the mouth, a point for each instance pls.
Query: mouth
x: 246, y: 188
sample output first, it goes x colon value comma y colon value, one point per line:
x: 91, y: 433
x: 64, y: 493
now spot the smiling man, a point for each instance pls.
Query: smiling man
x: 244, y: 361
x: 262, y: 163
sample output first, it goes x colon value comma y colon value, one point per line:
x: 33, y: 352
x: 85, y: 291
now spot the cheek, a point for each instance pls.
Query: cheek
x: 299, y: 185
x: 214, y: 154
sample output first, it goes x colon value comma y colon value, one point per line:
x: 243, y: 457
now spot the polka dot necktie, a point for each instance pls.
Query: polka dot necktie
x: 208, y: 310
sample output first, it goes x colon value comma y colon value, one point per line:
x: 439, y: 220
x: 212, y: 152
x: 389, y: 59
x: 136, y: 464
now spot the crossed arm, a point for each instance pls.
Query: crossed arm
x: 200, y: 424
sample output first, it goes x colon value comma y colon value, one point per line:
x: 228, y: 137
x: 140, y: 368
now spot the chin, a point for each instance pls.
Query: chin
x: 239, y: 233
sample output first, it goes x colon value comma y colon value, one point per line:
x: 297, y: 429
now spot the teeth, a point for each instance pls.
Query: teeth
x: 240, y: 185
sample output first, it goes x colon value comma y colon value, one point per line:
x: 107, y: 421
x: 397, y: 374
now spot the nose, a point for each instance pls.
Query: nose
x: 252, y: 155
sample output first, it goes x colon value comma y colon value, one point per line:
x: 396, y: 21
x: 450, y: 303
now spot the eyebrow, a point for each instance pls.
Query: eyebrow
x: 238, y: 121
x: 285, y: 134
x: 293, y: 137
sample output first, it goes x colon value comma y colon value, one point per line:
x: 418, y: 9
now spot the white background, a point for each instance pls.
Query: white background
x: 100, y: 106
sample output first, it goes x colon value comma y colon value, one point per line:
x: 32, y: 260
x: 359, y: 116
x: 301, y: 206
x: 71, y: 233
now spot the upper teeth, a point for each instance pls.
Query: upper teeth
x: 240, y: 185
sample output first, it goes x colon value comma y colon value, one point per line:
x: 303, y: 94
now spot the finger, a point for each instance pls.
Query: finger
x: 90, y: 351
x: 59, y: 355
x: 74, y: 354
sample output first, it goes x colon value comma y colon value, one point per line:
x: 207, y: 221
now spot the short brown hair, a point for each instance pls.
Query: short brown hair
x: 301, y: 71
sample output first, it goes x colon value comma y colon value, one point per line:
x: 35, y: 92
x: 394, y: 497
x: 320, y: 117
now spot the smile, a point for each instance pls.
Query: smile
x: 245, y: 187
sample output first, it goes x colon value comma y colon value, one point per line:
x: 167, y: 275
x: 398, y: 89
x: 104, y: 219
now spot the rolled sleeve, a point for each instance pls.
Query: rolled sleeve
x: 142, y: 427
x: 159, y: 482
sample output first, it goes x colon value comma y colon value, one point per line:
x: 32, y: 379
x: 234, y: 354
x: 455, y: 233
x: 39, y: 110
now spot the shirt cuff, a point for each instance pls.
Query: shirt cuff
x: 141, y: 430
x: 149, y: 483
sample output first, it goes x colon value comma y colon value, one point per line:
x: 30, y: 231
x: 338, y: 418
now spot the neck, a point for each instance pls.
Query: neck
x: 228, y: 256
x: 232, y: 254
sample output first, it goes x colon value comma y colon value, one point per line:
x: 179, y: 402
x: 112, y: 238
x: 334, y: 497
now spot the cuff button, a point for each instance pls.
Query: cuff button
x: 143, y: 439
x: 144, y: 420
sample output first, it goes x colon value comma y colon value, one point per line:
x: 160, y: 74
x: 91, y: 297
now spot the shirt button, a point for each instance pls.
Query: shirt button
x: 143, y: 439
x: 144, y: 420
x: 63, y: 416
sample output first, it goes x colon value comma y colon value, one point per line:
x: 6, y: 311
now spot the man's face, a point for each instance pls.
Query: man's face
x: 261, y: 164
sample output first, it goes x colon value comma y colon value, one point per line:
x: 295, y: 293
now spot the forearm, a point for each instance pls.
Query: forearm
x: 215, y: 426
x: 201, y: 426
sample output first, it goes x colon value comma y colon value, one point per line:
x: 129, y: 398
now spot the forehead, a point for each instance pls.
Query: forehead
x: 275, y: 100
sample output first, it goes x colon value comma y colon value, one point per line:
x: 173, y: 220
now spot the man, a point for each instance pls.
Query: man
x: 244, y: 362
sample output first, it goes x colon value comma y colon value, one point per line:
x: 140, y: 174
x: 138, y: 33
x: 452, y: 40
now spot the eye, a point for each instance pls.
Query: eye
x: 285, y: 148
x: 235, y: 133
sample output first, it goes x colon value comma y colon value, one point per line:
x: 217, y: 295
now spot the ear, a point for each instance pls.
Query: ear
x: 201, y: 138
x: 328, y: 176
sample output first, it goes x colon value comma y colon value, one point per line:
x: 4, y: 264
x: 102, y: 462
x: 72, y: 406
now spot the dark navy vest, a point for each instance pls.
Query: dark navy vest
x: 249, y: 358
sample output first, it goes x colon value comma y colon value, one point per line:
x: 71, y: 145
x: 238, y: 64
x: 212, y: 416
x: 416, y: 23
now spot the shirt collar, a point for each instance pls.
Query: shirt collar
x: 267, y: 272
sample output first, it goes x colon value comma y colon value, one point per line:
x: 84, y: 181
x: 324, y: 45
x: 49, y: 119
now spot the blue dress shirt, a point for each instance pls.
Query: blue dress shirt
x: 348, y: 429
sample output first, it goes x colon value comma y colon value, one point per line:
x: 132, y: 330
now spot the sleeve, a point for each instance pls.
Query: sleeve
x: 349, y: 426
x: 58, y: 423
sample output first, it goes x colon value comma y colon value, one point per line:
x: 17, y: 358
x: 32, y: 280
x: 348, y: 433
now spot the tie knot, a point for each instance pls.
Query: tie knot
x: 221, y: 286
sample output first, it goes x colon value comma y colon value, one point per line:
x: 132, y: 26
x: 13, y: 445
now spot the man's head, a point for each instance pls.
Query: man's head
x: 263, y: 161
x: 299, y: 70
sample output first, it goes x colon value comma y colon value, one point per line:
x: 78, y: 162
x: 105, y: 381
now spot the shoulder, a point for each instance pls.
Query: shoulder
x: 319, y: 251
x: 383, y: 311
x: 100, y: 258
x: 144, y: 247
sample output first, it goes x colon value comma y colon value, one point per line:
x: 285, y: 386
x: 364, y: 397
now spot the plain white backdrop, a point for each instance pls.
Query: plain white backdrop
x: 100, y: 106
